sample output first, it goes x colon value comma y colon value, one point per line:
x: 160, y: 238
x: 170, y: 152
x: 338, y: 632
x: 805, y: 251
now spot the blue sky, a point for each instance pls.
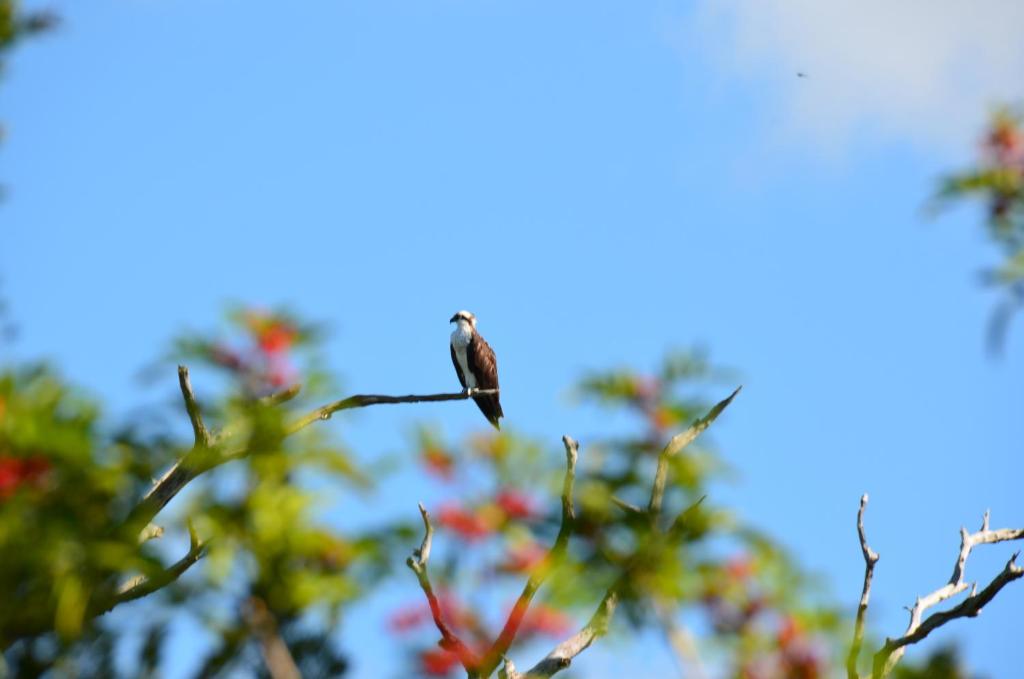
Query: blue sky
x: 598, y: 182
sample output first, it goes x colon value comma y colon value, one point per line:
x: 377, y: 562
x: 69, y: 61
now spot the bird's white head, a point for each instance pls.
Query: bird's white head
x: 465, y: 321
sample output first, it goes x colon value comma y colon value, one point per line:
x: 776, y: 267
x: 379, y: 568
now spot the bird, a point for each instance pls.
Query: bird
x: 475, y: 365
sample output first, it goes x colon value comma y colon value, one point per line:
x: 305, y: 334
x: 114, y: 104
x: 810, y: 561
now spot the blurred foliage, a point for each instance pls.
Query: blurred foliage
x: 67, y: 551
x: 720, y: 582
x: 943, y: 663
x: 68, y: 486
x: 728, y: 599
x: 998, y: 180
x: 725, y: 595
x: 15, y: 25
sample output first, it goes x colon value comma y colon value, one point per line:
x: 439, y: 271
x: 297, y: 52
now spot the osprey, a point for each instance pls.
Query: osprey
x: 475, y: 365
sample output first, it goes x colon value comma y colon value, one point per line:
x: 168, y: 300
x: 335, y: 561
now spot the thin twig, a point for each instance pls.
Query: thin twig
x: 418, y: 563
x: 508, y: 633
x: 870, y: 559
x: 202, y: 434
x: 893, y: 649
x: 627, y: 507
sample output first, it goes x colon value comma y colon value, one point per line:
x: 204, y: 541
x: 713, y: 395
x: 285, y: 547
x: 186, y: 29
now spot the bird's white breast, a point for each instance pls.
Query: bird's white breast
x: 460, y: 340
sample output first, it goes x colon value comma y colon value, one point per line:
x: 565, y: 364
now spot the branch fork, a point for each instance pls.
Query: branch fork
x: 919, y: 627
x: 208, y: 451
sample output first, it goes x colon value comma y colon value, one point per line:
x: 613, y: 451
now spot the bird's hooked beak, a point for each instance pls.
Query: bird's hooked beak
x: 453, y: 318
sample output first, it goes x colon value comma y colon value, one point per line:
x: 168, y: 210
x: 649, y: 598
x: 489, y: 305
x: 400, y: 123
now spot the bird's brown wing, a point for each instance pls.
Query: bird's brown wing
x: 484, y: 366
x: 458, y: 370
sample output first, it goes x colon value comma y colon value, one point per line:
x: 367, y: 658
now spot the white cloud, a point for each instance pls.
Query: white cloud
x: 925, y: 70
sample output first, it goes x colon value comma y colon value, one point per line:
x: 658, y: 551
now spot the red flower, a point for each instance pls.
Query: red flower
x: 515, y: 504
x: 469, y: 525
x: 15, y: 472
x: 546, y: 620
x: 661, y: 418
x: 276, y: 337
x: 522, y: 558
x: 789, y: 631
x: 10, y: 476
x: 438, y: 461
x: 739, y: 568
x: 408, y: 617
x: 437, y: 662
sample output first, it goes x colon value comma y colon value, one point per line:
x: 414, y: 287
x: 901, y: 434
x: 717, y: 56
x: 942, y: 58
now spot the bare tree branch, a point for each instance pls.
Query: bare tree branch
x: 892, y: 651
x: 968, y: 608
x: 562, y: 655
x: 870, y: 559
x: 418, y: 563
x: 508, y: 634
x: 363, y: 400
x: 206, y: 456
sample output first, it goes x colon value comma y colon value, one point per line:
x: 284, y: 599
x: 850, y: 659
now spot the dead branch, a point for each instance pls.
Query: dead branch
x: 418, y: 563
x: 918, y: 628
x: 363, y: 400
x: 870, y: 559
x: 562, y: 655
